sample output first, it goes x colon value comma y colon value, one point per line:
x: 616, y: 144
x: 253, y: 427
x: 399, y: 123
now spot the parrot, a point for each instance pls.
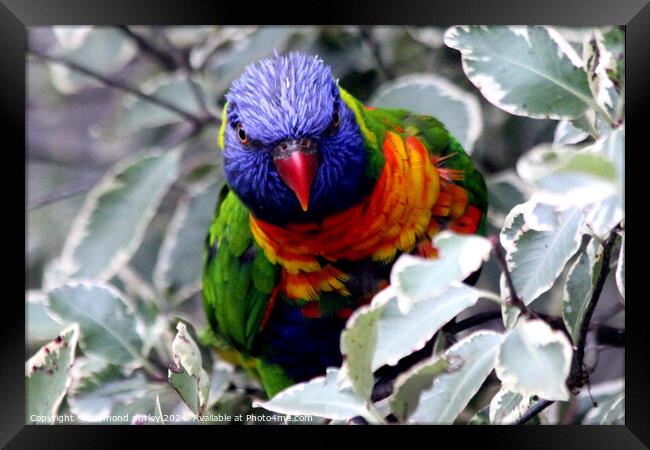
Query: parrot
x: 322, y: 194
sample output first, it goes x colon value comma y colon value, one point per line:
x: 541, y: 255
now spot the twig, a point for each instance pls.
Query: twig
x: 475, y: 320
x: 184, y: 65
x: 69, y: 190
x: 369, y: 39
x: 118, y: 85
x: 534, y: 411
x: 78, y: 187
x: 578, y: 377
x: 513, y: 299
x: 164, y: 60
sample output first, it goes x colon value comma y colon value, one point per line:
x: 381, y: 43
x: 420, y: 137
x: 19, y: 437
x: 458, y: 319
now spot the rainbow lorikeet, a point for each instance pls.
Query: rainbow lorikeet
x: 322, y: 195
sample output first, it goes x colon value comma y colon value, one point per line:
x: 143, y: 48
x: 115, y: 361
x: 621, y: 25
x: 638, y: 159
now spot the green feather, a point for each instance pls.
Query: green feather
x: 236, y: 288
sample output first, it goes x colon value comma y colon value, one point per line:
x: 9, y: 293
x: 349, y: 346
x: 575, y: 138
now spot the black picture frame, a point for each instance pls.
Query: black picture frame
x: 17, y: 15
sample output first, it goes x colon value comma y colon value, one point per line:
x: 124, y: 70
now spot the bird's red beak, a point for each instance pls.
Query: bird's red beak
x: 296, y: 161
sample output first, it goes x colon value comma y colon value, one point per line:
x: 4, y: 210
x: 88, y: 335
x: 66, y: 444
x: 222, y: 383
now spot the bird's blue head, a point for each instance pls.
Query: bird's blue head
x: 293, y: 151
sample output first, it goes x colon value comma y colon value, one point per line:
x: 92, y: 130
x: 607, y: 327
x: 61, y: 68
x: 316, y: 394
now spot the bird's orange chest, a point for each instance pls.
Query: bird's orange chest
x: 397, y: 216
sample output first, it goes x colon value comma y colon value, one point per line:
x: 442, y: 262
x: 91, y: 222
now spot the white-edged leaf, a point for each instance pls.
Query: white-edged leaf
x: 109, y: 328
x: 40, y: 325
x: 432, y: 37
x: 566, y: 133
x: 178, y: 269
x: 358, y: 343
x: 139, y: 114
x: 409, y: 385
x: 112, y: 222
x: 318, y: 397
x: 509, y: 314
x: 71, y: 37
x: 260, y: 44
x: 579, y: 286
x: 108, y: 392
x: 48, y: 378
x: 599, y: 62
x: 159, y: 414
x: 400, y: 334
x: 536, y: 258
x: 187, y: 375
x: 505, y: 191
x: 534, y: 359
x: 416, y: 279
x: 435, y: 96
x: 600, y: 393
x: 620, y: 269
x: 102, y: 49
x: 530, y: 71
x: 451, y: 392
x: 220, y: 378
x: 610, y: 412
x: 507, y: 407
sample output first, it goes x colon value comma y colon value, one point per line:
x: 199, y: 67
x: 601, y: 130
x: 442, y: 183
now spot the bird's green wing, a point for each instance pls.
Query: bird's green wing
x: 444, y: 147
x: 237, y: 278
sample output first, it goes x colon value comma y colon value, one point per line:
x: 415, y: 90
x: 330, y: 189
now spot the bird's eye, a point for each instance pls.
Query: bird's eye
x: 336, y: 122
x: 336, y: 119
x: 241, y: 134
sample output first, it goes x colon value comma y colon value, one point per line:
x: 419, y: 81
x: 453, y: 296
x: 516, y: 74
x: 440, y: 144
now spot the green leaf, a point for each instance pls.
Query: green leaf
x: 579, y: 287
x: 109, y: 328
x: 603, y: 59
x: 40, y: 325
x: 319, y: 397
x: 220, y: 378
x: 109, y: 392
x: 482, y: 417
x: 529, y: 71
x: 505, y: 191
x: 534, y: 359
x: 565, y: 164
x: 400, y: 334
x: 410, y: 385
x: 48, y: 378
x: 186, y: 374
x: 507, y: 407
x: 179, y: 266
x: 536, y: 258
x: 71, y: 37
x: 611, y: 412
x: 139, y: 114
x: 416, y: 279
x: 435, y: 96
x: 600, y: 393
x: 112, y: 222
x: 220, y: 72
x: 451, y: 392
x: 102, y: 49
x: 358, y: 343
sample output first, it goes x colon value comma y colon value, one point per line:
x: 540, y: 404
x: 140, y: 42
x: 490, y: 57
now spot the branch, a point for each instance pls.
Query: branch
x: 69, y: 190
x: 534, y: 411
x: 369, y: 39
x: 514, y: 299
x: 578, y: 376
x: 118, y: 85
x: 164, y: 60
x: 78, y: 187
x: 181, y: 62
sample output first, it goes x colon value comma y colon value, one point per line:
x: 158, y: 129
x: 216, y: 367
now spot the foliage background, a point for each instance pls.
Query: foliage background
x: 78, y: 129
